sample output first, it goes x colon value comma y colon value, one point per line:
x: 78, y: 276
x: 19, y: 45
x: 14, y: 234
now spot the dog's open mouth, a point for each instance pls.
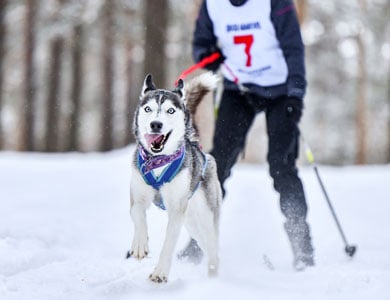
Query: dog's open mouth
x: 156, y: 141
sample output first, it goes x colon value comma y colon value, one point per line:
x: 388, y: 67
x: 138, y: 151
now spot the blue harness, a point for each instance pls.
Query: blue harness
x: 173, y: 164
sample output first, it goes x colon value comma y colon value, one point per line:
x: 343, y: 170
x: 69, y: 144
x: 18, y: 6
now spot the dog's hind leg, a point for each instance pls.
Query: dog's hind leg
x: 175, y: 223
x: 212, y: 249
x: 210, y: 241
x: 201, y: 225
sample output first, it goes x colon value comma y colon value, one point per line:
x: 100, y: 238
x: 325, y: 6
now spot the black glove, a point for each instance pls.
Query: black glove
x: 214, y: 66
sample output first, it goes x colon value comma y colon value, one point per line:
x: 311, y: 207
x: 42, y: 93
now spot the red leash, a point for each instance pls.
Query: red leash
x: 204, y: 62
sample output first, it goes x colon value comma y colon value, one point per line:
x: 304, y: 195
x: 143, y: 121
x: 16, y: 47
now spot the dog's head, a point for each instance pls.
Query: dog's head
x: 160, y: 120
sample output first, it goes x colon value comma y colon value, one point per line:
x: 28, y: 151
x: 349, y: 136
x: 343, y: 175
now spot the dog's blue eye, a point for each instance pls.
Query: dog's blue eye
x: 171, y: 111
x: 147, y: 109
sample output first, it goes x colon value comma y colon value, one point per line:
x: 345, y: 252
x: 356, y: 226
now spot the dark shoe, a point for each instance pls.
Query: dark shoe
x: 191, y: 253
x: 299, y: 235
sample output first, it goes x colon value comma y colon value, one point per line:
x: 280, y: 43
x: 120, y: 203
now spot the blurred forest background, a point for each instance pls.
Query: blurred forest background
x: 71, y: 72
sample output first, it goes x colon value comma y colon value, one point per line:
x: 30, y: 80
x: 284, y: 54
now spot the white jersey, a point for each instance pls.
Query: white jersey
x: 247, y: 39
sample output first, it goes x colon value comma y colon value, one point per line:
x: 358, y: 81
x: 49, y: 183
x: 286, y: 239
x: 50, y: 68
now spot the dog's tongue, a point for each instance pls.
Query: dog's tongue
x: 153, y: 138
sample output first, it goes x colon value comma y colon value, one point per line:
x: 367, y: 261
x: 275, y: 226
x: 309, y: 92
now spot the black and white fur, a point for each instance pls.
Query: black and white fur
x: 170, y: 114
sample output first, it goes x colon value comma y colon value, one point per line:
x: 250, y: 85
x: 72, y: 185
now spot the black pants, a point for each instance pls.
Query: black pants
x: 235, y: 116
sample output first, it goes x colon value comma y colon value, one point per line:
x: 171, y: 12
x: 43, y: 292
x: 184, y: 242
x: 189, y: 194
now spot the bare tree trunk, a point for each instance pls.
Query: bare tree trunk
x: 3, y: 4
x: 27, y: 128
x: 361, y: 105
x: 131, y: 96
x: 77, y: 71
x: 155, y: 20
x: 388, y: 118
x: 302, y: 10
x: 53, y: 100
x: 108, y: 74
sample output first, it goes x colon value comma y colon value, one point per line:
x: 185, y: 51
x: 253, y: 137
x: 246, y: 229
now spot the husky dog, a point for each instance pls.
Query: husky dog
x: 170, y: 170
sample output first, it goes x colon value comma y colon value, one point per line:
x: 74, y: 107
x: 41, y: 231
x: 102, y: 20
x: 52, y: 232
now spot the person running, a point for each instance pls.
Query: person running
x: 262, y: 62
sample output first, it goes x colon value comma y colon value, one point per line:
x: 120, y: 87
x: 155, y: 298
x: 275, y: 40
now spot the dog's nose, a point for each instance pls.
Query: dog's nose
x: 156, y: 126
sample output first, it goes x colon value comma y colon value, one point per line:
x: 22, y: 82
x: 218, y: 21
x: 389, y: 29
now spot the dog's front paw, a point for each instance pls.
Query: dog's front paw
x: 158, y: 278
x: 139, y: 249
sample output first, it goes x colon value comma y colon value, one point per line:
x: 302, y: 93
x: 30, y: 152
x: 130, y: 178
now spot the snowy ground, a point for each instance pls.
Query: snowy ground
x: 65, y: 229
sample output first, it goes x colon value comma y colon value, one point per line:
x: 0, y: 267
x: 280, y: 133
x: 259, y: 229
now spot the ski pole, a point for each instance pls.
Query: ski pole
x: 349, y: 249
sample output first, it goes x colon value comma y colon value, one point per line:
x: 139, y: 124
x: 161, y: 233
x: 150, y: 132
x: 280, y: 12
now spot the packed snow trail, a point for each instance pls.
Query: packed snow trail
x: 65, y: 229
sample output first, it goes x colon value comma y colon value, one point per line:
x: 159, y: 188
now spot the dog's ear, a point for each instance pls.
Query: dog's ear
x: 180, y: 89
x: 148, y: 85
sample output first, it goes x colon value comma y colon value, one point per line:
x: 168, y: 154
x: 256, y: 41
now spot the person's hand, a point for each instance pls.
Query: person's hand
x: 214, y: 66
